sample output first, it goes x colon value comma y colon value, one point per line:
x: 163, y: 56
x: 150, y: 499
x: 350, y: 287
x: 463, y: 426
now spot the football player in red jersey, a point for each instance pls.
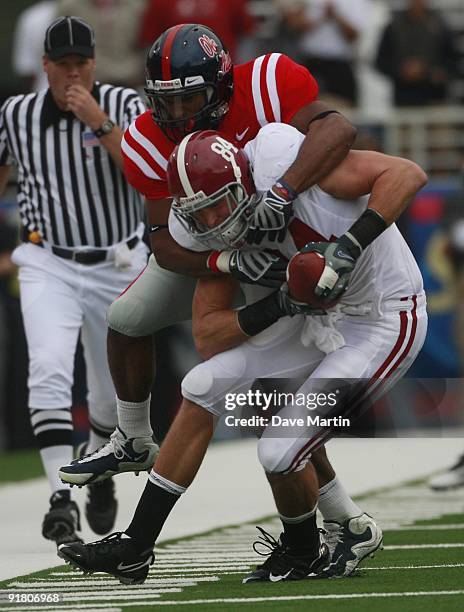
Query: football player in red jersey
x: 192, y: 85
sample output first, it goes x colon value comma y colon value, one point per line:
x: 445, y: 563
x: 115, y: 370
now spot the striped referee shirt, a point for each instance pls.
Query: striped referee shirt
x: 69, y: 188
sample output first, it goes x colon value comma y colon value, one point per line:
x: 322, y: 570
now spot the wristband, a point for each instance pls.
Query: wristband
x: 366, y: 229
x: 291, y: 194
x: 257, y: 317
x: 218, y: 261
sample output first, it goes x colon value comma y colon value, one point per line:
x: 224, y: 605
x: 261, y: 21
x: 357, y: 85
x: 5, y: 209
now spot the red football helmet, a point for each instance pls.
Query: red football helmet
x: 204, y: 171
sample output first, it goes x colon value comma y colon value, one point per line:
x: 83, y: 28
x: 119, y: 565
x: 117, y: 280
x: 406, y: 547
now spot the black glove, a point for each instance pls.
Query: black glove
x: 291, y: 307
x: 263, y: 268
x: 257, y: 317
x: 340, y: 259
x: 272, y: 214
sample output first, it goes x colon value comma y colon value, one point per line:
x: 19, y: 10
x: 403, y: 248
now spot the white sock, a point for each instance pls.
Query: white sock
x: 164, y: 483
x: 53, y: 458
x: 335, y: 504
x: 134, y: 418
x: 295, y: 520
x: 95, y: 441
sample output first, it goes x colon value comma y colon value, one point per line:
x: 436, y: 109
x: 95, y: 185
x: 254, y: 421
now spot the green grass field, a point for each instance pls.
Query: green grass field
x: 421, y: 569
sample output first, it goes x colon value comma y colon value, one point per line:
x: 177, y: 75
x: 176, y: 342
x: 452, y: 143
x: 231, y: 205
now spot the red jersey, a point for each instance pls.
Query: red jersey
x: 271, y: 88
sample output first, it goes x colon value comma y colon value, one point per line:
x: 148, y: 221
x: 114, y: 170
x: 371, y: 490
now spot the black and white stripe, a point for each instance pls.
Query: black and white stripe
x: 73, y: 195
x: 52, y: 427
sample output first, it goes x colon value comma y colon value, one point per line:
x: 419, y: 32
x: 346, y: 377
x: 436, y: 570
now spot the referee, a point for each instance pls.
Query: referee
x: 81, y: 246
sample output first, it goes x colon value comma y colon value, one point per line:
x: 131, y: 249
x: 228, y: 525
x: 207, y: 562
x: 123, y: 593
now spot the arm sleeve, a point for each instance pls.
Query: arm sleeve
x: 296, y: 87
x: 151, y: 188
x: 140, y: 174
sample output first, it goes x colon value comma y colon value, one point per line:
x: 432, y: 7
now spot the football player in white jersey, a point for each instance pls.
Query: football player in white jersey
x: 373, y: 333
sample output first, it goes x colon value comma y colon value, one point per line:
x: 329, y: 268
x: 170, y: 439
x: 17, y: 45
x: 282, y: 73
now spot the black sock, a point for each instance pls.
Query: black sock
x: 153, y: 509
x: 302, y: 536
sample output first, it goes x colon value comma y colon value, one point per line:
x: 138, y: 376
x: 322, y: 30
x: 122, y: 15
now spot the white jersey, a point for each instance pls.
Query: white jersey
x: 386, y: 269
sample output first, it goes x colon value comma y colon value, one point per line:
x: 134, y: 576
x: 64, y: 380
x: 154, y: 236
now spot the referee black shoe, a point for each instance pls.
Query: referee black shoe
x: 285, y: 563
x: 120, y: 454
x: 101, y: 506
x: 62, y: 520
x: 115, y: 555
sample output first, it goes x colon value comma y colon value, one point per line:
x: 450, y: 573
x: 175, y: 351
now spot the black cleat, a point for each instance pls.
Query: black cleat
x: 101, y: 506
x: 285, y: 563
x: 115, y: 555
x: 62, y: 520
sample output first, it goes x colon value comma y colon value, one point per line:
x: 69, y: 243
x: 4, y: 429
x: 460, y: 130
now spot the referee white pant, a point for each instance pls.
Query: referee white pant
x: 378, y: 351
x: 59, y: 300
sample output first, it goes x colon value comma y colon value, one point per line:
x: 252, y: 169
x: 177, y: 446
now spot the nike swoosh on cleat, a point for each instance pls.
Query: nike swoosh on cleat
x: 132, y: 567
x: 273, y: 578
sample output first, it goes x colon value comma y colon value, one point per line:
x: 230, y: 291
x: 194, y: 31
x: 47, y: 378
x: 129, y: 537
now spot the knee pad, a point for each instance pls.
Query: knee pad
x: 127, y: 315
x: 197, y: 387
x: 276, y: 455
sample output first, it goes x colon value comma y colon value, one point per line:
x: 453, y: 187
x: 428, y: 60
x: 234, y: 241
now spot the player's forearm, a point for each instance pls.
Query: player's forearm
x: 394, y: 189
x: 170, y: 256
x: 326, y: 145
x: 217, y: 332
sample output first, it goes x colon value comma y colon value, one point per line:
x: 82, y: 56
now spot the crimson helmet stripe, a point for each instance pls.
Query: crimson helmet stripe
x: 166, y: 52
x: 181, y: 170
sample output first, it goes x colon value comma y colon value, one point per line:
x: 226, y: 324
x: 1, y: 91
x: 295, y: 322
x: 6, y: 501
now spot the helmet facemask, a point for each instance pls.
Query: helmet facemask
x: 172, y: 110
x: 232, y: 230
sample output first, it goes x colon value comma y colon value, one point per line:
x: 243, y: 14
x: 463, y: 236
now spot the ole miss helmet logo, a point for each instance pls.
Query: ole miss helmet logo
x: 226, y: 62
x: 208, y: 45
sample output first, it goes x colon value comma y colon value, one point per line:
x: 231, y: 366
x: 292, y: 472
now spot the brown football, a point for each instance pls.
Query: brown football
x: 303, y: 273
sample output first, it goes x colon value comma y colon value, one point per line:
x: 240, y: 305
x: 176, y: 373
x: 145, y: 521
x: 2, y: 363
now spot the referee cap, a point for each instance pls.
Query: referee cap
x: 69, y: 35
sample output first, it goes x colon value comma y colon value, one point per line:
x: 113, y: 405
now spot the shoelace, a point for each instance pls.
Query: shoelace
x: 274, y: 549
x: 109, y: 538
x: 104, y: 546
x: 280, y: 558
x: 114, y: 443
x: 333, y: 535
x: 267, y: 541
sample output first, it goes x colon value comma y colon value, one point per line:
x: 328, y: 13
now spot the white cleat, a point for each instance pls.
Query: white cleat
x: 349, y: 543
x: 120, y: 454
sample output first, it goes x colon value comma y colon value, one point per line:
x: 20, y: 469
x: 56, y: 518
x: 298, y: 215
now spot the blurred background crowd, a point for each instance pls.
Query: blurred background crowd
x: 394, y: 67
